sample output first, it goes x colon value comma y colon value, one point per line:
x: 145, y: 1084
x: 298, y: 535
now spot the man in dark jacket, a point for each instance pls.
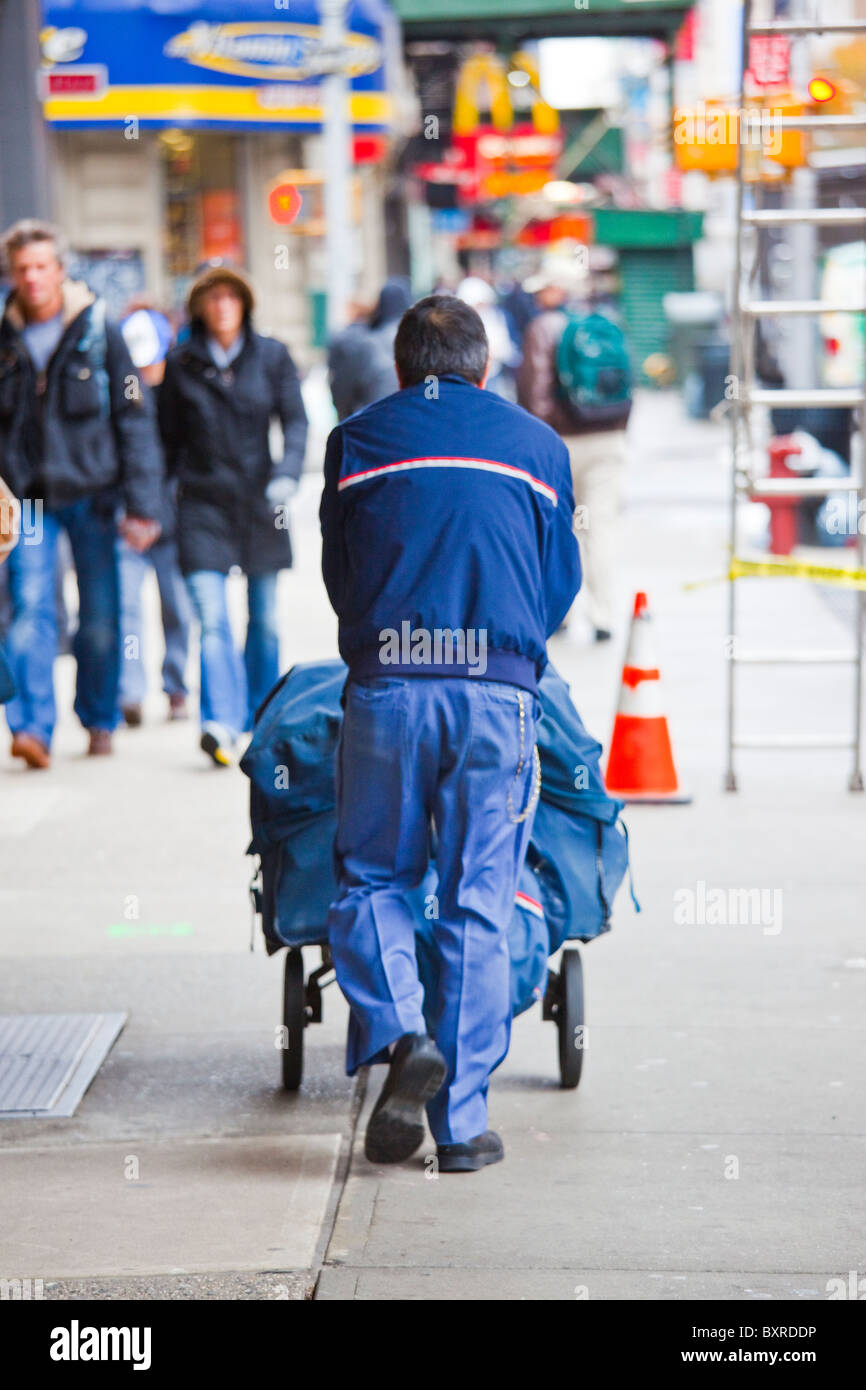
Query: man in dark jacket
x: 361, y: 358
x: 78, y: 446
x: 449, y: 557
x: 223, y: 389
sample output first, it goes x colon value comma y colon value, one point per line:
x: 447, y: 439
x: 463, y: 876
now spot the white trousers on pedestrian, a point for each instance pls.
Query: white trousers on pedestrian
x: 598, y: 463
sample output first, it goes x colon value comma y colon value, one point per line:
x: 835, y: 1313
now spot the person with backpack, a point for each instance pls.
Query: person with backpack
x: 361, y: 357
x: 575, y: 376
x: 224, y: 387
x: 80, y: 450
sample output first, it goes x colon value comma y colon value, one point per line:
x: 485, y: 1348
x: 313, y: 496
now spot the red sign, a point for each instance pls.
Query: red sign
x: 522, y: 147
x: 284, y: 203
x: 221, y: 237
x: 77, y: 81
x: 491, y: 163
x: 369, y: 149
x: 769, y: 57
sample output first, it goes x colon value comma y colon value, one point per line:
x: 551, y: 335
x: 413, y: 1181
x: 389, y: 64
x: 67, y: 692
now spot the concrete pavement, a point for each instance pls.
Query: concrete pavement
x: 715, y: 1146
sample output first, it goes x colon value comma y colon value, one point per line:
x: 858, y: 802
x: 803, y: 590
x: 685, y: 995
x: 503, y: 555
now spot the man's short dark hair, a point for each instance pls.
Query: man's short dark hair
x: 437, y: 336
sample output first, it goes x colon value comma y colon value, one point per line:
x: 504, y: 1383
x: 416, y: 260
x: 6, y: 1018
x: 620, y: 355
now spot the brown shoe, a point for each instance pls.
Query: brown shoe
x: 34, y: 752
x: 132, y: 716
x: 100, y: 743
x: 177, y: 707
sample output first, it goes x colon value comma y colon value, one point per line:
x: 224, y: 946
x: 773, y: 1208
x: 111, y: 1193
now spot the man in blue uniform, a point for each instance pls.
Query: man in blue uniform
x: 449, y: 558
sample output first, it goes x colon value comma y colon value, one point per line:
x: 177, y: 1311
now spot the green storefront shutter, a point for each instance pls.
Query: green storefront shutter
x: 647, y: 275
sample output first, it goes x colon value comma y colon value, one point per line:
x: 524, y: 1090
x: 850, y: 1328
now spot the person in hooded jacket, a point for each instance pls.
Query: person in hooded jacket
x: 361, y: 357
x: 223, y: 388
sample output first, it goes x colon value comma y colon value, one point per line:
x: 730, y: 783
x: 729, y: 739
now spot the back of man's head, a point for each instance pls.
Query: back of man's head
x: 438, y: 336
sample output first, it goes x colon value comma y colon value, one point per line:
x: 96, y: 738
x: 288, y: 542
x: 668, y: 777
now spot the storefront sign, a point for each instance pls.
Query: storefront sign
x: 505, y: 156
x: 225, y: 63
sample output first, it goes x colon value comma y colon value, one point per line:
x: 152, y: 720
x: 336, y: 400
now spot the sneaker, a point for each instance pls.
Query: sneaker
x: 468, y: 1158
x: 396, y: 1126
x: 217, y: 748
x: 132, y: 716
x: 177, y: 706
x: 100, y: 743
x: 32, y: 749
x: 603, y: 634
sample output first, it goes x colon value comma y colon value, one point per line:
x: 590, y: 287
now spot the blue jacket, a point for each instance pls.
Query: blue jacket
x: 447, y: 509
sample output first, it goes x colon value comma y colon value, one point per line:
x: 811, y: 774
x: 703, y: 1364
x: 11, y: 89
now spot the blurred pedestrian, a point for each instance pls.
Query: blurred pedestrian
x: 79, y: 447
x: 480, y: 295
x: 587, y: 400
x: 449, y: 558
x: 10, y: 520
x: 361, y: 357
x: 148, y: 337
x: 223, y: 388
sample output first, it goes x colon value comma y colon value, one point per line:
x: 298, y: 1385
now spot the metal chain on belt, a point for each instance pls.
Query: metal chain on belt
x: 536, y: 789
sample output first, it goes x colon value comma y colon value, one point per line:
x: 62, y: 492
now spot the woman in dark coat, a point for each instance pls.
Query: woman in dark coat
x: 223, y: 388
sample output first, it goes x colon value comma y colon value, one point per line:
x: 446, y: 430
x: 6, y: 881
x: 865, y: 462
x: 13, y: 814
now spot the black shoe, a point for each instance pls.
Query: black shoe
x: 602, y: 634
x: 216, y: 751
x: 468, y: 1158
x: 396, y: 1127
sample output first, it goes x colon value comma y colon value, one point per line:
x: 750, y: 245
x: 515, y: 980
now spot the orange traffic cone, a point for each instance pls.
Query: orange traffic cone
x: 641, y: 762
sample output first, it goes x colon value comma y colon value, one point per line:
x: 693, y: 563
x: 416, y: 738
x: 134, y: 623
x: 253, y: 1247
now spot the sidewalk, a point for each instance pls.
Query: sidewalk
x: 706, y: 1044
x: 715, y: 1146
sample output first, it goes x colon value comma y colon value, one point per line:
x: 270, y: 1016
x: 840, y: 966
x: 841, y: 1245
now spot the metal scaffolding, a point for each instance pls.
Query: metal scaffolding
x: 748, y: 311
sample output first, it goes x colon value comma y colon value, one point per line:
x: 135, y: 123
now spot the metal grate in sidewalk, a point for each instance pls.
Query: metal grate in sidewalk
x: 47, y: 1061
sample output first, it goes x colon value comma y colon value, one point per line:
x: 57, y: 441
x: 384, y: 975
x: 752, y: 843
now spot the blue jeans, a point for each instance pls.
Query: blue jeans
x: 447, y: 750
x: 176, y: 618
x: 231, y: 687
x: 31, y: 643
x: 7, y: 684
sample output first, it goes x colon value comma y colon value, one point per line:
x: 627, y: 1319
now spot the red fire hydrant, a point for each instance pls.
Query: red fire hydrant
x: 784, y: 511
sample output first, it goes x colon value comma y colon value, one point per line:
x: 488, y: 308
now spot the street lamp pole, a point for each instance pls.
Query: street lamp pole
x: 338, y: 248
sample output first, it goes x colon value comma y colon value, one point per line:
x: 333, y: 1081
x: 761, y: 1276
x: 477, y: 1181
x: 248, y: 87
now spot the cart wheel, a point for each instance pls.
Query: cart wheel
x: 569, y: 1019
x: 294, y: 1018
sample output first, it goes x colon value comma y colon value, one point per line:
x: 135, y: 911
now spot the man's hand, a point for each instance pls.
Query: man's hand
x: 280, y: 491
x: 139, y: 532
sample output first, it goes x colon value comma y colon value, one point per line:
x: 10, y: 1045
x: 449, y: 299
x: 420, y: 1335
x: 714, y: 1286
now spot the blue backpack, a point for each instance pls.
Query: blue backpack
x: 593, y: 370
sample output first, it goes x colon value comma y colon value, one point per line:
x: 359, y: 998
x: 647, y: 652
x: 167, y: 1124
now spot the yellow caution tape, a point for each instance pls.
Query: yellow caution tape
x: 799, y: 569
x: 796, y: 569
